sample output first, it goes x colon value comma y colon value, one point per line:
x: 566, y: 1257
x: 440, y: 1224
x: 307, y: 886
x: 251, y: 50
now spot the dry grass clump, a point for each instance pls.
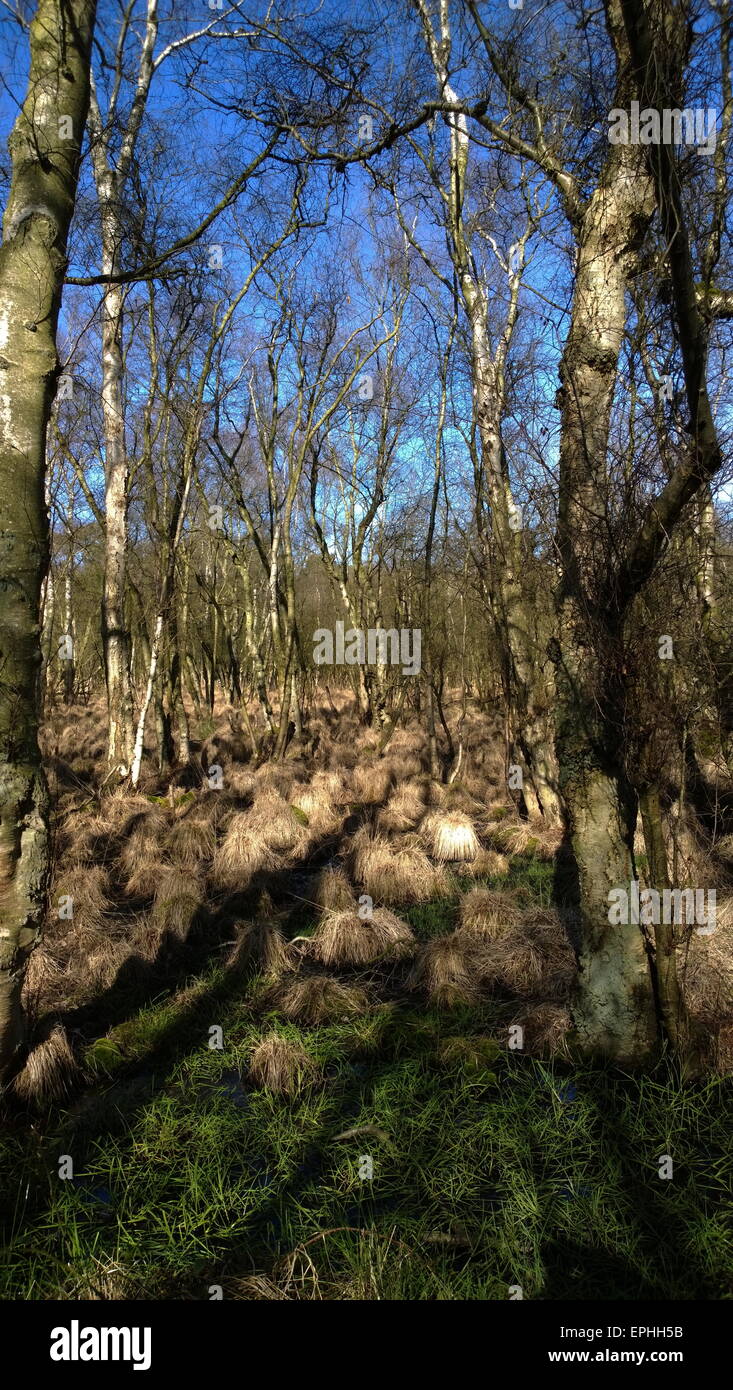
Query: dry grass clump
x: 487, y: 864
x: 272, y: 820
x: 146, y: 940
x: 450, y: 836
x: 87, y: 889
x: 44, y: 985
x: 705, y: 965
x: 343, y: 938
x: 124, y: 809
x: 371, y: 783
x: 313, y: 999
x: 143, y: 832
x: 410, y: 739
x: 240, y: 782
x: 333, y: 891
x: 86, y: 839
x: 456, y: 798
x: 532, y: 958
x: 50, y: 1070
x: 314, y: 800
x: 405, y: 808
x: 334, y: 785
x: 103, y: 963
x: 275, y: 780
x: 281, y: 1066
x: 177, y: 900
x: 445, y: 972
x: 405, y: 766
x: 241, y: 854
x: 527, y: 837
x: 190, y: 842
x: 395, y: 873
x: 724, y: 850
x: 489, y: 913
x: 516, y: 963
x: 259, y: 946
x: 546, y: 1027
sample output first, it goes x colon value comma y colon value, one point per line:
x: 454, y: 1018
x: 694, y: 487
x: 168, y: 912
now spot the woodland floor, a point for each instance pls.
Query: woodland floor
x: 243, y: 1168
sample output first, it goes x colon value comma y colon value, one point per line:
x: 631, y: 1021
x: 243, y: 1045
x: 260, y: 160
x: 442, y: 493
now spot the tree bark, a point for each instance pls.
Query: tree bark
x: 44, y: 148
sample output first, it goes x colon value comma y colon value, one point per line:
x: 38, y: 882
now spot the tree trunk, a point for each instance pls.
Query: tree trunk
x: 44, y: 148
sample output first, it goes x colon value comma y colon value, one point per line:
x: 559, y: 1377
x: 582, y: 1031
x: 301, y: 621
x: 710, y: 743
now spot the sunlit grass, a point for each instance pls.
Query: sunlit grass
x: 490, y: 1169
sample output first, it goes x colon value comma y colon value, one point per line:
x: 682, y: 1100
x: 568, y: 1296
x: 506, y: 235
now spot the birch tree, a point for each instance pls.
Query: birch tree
x: 44, y: 149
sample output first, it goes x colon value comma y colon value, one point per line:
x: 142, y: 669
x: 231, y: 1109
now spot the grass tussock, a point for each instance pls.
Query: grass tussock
x: 80, y: 897
x: 546, y: 1028
x: 333, y: 891
x: 86, y: 839
x: 445, y: 972
x: 371, y: 783
x: 342, y: 938
x: 526, y: 837
x: 242, y: 854
x: 489, y: 863
x: 316, y: 804
x: 50, y: 1071
x: 314, y: 999
x: 488, y: 913
x: 404, y: 809
x: 451, y: 837
x: 271, y: 819
x: 177, y: 900
x: 260, y: 946
x: 191, y: 842
x: 534, y: 958
x: 394, y: 873
x: 281, y: 1066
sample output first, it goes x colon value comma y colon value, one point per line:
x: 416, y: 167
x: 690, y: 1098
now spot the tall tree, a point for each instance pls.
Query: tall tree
x: 44, y: 149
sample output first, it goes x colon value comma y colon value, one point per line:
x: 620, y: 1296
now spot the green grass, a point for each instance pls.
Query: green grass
x: 489, y: 1169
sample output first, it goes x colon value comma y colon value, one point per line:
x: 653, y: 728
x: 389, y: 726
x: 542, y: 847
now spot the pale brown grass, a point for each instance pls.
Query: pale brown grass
x: 546, y: 1027
x: 191, y: 842
x: 404, y: 808
x: 488, y: 912
x: 88, y: 889
x: 527, y: 837
x: 271, y: 819
x: 315, y: 802
x: 395, y: 872
x: 534, y: 958
x: 487, y: 864
x: 281, y: 1066
x: 177, y: 900
x: 242, y: 853
x: 334, y: 785
x: 259, y: 946
x: 334, y: 892
x: 343, y: 938
x: 445, y: 972
x: 50, y: 1070
x: 451, y: 837
x: 371, y: 783
x: 313, y: 999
